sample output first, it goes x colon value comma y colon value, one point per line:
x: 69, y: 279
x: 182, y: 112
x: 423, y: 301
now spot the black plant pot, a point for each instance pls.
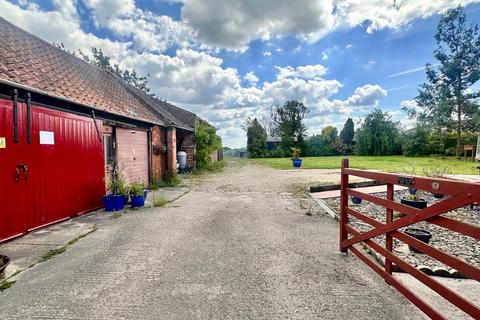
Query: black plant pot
x: 356, y: 200
x: 438, y: 195
x: 419, y: 234
x: 4, y: 262
x: 420, y: 204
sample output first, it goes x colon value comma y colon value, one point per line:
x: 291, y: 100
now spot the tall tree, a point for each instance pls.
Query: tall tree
x: 256, y: 138
x: 348, y: 132
x: 447, y: 100
x: 330, y: 139
x: 289, y: 124
x: 378, y: 135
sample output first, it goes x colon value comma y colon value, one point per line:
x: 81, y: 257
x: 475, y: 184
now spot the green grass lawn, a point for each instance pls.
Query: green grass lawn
x: 386, y: 163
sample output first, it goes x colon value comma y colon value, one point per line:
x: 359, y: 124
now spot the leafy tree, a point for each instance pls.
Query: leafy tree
x: 348, y: 132
x: 315, y: 146
x: 447, y: 100
x: 330, y: 140
x: 378, y: 135
x: 289, y: 124
x: 256, y: 138
x: 207, y: 141
x: 415, y: 142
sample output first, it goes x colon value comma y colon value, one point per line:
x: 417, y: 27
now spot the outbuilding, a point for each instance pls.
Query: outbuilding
x: 65, y: 126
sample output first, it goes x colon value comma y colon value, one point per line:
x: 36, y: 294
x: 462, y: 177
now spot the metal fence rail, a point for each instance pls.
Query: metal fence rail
x: 459, y: 194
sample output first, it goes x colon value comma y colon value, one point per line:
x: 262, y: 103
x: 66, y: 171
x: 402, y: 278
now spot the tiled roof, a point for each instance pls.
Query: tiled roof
x: 159, y: 107
x: 187, y: 117
x: 30, y: 61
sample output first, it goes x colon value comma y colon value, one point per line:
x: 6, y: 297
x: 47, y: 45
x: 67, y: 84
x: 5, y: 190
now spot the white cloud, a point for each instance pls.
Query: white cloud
x: 267, y: 53
x: 369, y: 64
x: 367, y: 95
x: 104, y: 10
x: 232, y: 24
x: 251, y: 77
x: 304, y: 72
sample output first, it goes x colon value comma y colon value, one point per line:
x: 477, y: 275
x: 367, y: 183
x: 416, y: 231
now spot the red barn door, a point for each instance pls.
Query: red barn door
x: 53, y: 171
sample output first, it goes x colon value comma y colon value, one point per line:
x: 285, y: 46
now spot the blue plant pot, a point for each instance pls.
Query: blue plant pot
x: 137, y: 201
x: 113, y: 202
x: 120, y: 199
x: 297, y: 163
x: 356, y: 200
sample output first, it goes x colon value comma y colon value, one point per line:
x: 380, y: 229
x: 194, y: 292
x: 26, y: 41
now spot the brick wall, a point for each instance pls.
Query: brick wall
x: 159, y: 160
x: 187, y: 145
x: 171, y: 149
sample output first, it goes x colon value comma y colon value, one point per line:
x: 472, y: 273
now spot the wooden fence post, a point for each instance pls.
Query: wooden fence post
x: 388, y: 236
x: 343, y: 205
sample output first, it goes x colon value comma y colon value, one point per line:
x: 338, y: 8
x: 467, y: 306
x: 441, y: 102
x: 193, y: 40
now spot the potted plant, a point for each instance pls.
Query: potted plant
x: 123, y: 187
x: 297, y: 162
x: 356, y: 200
x: 114, y: 200
x: 419, y: 234
x: 137, y: 196
x: 413, y: 200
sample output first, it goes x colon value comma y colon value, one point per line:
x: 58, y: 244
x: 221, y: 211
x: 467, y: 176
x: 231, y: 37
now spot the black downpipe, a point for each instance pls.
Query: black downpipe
x: 29, y: 119
x: 15, y: 115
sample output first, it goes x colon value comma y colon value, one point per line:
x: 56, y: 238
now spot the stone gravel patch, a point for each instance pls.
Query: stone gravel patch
x: 458, y: 245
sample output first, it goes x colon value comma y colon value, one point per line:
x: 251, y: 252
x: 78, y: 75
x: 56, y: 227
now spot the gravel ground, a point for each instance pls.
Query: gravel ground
x: 238, y: 246
x: 463, y: 247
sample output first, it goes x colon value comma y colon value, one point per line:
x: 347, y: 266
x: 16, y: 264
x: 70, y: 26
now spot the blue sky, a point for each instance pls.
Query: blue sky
x: 228, y: 60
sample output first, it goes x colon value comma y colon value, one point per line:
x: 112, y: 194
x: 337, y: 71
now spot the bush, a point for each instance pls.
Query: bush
x: 207, y: 141
x: 415, y: 142
x: 171, y: 179
x: 378, y: 135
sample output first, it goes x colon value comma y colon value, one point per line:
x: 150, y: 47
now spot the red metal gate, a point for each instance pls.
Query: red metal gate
x: 51, y: 167
x: 459, y: 194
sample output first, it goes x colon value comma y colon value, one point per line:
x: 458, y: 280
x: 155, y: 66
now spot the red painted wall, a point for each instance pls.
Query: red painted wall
x: 132, y: 154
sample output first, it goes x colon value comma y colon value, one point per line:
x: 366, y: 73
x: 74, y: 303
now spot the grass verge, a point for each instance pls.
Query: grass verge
x: 396, y: 164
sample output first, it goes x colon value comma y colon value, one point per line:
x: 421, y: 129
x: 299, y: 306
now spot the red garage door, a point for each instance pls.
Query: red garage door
x: 50, y: 170
x: 132, y: 151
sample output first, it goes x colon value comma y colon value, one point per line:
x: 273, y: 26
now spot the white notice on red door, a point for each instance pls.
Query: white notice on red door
x: 47, y: 137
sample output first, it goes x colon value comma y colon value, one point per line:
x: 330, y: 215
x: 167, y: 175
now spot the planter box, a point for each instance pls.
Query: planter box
x: 137, y: 201
x: 113, y: 202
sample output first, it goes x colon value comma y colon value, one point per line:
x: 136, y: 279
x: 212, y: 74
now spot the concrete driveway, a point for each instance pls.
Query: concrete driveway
x: 238, y: 246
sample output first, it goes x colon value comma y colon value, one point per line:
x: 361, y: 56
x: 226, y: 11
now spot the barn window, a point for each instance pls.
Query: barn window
x: 108, y: 147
